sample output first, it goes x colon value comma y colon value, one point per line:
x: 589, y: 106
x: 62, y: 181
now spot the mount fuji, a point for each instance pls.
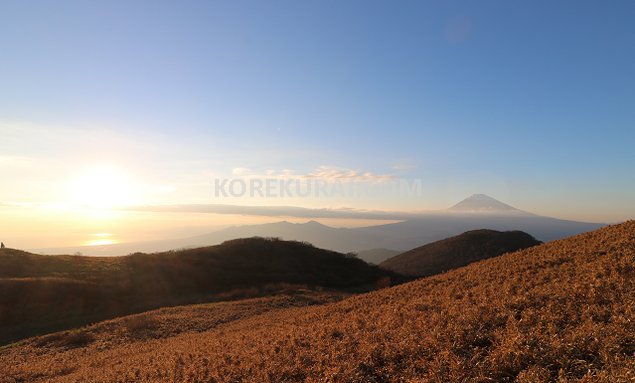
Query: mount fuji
x: 483, y: 204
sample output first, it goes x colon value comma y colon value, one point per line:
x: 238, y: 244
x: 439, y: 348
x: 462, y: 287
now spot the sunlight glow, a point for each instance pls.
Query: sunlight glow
x: 103, y: 187
x: 101, y: 239
x: 100, y: 242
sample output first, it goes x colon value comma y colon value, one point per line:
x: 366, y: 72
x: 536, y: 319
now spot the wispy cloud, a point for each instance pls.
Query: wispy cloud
x: 340, y: 174
x: 240, y: 171
x: 326, y: 173
x: 276, y: 211
x: 404, y: 166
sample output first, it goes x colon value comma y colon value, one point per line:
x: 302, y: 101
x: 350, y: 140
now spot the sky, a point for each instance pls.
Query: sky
x: 106, y: 104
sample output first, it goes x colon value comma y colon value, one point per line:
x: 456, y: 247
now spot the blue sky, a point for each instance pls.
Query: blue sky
x: 530, y: 102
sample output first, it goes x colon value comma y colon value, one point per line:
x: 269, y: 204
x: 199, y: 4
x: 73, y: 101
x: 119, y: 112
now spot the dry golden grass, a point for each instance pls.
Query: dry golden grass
x: 42, y: 294
x: 561, y: 312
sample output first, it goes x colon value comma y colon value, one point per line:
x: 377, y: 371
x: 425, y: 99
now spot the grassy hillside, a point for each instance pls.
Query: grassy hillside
x: 563, y: 311
x: 458, y: 251
x: 39, y: 294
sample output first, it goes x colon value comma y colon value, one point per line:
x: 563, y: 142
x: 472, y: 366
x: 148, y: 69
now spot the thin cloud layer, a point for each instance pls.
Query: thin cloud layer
x: 326, y: 173
x: 275, y: 211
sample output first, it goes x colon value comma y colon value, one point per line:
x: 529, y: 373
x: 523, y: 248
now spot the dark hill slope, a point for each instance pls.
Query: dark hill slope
x: 458, y: 251
x: 559, y: 312
x: 39, y: 293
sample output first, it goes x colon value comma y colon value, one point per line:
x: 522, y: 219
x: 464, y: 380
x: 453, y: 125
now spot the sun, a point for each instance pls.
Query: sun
x: 103, y: 187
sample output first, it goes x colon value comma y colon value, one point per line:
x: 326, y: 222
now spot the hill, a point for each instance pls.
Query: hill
x: 458, y: 251
x: 475, y: 212
x: 563, y: 311
x: 39, y: 294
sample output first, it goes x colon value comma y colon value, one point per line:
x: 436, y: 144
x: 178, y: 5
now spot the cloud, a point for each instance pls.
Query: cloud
x: 326, y: 173
x: 275, y: 211
x: 340, y: 174
x: 404, y: 166
x: 239, y: 171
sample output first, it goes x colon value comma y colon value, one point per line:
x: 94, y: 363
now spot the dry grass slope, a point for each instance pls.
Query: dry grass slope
x: 563, y: 311
x: 41, y: 294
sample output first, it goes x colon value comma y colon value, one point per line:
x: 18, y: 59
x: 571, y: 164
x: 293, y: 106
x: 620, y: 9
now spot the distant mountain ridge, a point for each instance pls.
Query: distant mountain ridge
x: 458, y: 251
x: 476, y: 212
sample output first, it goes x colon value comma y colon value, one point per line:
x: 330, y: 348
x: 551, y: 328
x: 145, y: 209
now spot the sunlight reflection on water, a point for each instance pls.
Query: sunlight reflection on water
x: 101, y: 239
